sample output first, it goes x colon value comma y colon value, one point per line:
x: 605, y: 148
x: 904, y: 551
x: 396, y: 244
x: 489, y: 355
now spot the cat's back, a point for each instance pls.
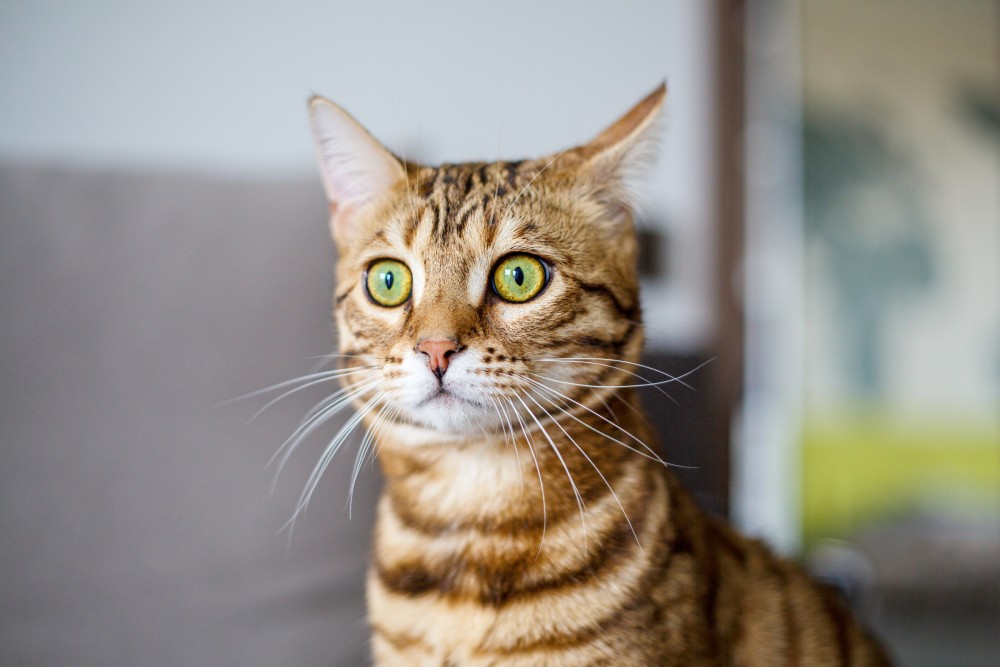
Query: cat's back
x: 765, y: 610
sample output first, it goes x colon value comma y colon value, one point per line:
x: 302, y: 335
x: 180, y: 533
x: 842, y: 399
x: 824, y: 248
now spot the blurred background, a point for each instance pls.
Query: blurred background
x: 823, y: 227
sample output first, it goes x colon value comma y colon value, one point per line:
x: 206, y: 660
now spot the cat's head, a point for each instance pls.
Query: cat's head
x: 473, y: 295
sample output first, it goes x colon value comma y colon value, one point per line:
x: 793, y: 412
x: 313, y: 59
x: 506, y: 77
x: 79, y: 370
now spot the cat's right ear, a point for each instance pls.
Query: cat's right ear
x: 610, y: 165
x: 357, y: 170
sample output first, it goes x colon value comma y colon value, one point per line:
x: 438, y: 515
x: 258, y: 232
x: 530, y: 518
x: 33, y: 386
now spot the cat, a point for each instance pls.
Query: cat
x: 489, y: 329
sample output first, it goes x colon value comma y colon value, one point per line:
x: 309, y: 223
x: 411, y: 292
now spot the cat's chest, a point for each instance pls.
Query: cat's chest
x: 454, y: 598
x: 432, y: 628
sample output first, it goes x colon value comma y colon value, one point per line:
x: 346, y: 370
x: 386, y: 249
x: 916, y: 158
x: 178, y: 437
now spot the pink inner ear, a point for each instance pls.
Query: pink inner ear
x: 356, y: 168
x: 340, y: 220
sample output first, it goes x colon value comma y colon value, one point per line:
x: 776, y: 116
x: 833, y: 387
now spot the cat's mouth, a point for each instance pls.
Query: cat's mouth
x: 442, y: 397
x: 448, y: 399
x: 447, y: 411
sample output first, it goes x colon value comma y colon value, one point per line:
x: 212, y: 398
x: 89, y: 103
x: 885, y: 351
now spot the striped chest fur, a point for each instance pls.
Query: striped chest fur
x: 490, y: 330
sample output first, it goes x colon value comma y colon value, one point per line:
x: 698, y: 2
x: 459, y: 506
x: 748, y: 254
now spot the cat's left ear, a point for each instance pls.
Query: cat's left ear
x: 357, y: 170
x: 612, y: 162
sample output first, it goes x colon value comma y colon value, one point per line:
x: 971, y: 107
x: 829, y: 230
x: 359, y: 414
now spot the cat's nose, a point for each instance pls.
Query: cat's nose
x: 438, y: 351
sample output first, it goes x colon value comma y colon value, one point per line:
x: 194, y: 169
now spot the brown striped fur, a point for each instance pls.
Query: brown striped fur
x: 526, y: 520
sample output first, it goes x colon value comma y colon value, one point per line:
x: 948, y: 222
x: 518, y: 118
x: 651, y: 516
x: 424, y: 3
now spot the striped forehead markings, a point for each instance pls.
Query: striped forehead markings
x: 450, y: 194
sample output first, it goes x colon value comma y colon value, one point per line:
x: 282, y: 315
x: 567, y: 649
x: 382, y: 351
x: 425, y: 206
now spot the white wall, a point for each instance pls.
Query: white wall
x: 221, y: 87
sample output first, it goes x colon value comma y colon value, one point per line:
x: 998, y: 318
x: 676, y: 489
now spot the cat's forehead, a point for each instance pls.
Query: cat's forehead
x: 454, y: 196
x: 474, y: 205
x: 451, y: 224
x: 456, y: 182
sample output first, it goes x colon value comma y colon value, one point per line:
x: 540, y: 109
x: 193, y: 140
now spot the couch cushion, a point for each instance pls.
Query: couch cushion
x: 137, y: 523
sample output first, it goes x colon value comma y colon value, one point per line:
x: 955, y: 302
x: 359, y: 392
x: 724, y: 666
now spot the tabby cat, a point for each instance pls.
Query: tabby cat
x: 489, y: 327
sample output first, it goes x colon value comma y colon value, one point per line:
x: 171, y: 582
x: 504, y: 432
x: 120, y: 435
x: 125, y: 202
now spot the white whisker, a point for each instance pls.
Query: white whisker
x: 314, y: 422
x: 652, y: 454
x: 589, y: 460
x: 326, y: 359
x: 496, y: 409
x: 327, y: 375
x: 369, y: 442
x: 321, y: 411
x: 395, y: 409
x: 636, y: 411
x: 541, y: 485
x: 327, y: 456
x: 672, y: 378
x: 306, y: 386
x: 507, y: 437
x: 612, y: 386
x: 614, y: 364
x: 324, y: 404
x: 525, y: 188
x: 579, y: 499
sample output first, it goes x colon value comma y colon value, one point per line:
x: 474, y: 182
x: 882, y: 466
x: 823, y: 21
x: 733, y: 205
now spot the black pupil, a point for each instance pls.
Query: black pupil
x: 518, y: 276
x: 388, y: 279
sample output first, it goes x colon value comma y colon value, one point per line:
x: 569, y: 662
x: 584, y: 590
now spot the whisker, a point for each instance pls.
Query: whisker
x: 325, y: 374
x: 503, y: 427
x: 486, y: 436
x: 674, y: 378
x: 607, y: 406
x: 610, y: 386
x: 525, y: 188
x: 396, y: 408
x: 314, y: 422
x: 579, y: 499
x: 541, y: 485
x: 305, y: 386
x: 321, y: 411
x: 381, y: 420
x: 327, y: 456
x: 323, y: 404
x: 343, y: 356
x: 652, y: 454
x: 589, y: 460
x: 507, y: 437
x: 327, y: 359
x: 646, y: 381
x: 378, y: 445
x: 359, y: 459
x: 636, y: 411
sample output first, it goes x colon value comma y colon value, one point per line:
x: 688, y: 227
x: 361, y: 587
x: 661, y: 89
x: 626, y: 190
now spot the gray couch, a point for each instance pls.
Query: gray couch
x: 136, y: 523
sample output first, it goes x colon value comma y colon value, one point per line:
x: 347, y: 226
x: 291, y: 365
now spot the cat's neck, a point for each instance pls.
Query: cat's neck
x: 522, y: 477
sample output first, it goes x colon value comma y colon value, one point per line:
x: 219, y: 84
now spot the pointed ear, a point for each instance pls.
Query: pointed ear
x: 357, y: 170
x: 614, y: 160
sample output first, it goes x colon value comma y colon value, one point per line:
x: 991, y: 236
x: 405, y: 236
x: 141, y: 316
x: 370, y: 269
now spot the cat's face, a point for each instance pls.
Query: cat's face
x: 477, y: 296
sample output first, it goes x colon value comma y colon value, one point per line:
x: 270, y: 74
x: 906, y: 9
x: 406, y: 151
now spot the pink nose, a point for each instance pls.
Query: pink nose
x: 438, y: 352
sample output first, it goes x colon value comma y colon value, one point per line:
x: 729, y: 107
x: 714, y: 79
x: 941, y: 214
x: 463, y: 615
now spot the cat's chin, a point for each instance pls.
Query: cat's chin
x: 450, y: 414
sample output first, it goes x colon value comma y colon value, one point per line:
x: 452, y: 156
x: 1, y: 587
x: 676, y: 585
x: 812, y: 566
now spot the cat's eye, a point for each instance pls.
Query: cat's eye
x: 388, y: 282
x: 519, y: 278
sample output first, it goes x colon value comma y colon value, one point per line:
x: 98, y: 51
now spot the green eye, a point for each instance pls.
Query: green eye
x: 388, y: 282
x: 518, y: 278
